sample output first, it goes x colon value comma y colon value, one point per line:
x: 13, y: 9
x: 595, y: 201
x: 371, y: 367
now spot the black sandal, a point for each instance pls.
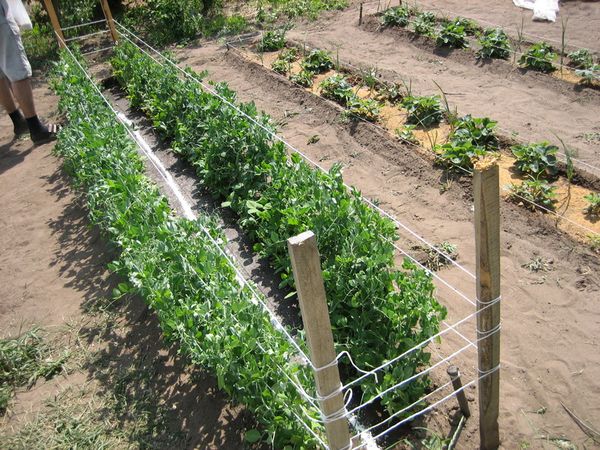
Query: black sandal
x: 45, y: 136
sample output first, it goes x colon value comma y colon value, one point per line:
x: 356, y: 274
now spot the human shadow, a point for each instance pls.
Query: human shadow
x: 11, y: 155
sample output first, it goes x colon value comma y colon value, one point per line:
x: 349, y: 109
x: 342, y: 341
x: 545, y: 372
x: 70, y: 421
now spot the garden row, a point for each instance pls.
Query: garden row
x: 377, y: 311
x: 468, y: 138
x: 491, y: 42
x: 174, y: 264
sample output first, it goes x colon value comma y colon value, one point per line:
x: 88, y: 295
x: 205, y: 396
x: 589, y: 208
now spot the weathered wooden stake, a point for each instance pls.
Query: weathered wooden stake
x: 109, y: 20
x: 306, y: 266
x: 454, y: 375
x: 55, y: 23
x: 487, y: 235
x: 360, y: 14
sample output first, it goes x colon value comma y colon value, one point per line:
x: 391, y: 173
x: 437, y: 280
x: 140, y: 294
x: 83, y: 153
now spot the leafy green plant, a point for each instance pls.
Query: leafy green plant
x: 337, y: 88
x: 397, y: 16
x: 407, y: 134
x: 423, y: 111
x: 479, y: 130
x: 289, y: 55
x: 281, y: 66
x: 537, y: 159
x: 534, y: 193
x: 391, y: 92
x: 303, y: 78
x: 581, y: 59
x: 423, y: 24
x: 589, y: 75
x: 593, y: 208
x: 494, y: 44
x: 365, y: 108
x: 377, y: 310
x: 271, y: 41
x: 594, y: 242
x: 461, y: 155
x: 317, y: 61
x: 539, y: 57
x: 452, y: 35
x: 470, y: 26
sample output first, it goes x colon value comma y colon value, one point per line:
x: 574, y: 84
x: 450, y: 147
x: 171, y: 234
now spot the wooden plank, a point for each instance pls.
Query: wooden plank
x: 109, y: 20
x: 487, y: 231
x: 306, y: 266
x: 60, y: 38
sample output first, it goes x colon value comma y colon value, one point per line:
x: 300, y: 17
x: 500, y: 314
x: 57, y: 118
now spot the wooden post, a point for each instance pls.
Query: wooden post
x: 454, y: 375
x: 109, y: 20
x: 55, y: 23
x: 306, y: 266
x: 360, y: 14
x: 487, y: 234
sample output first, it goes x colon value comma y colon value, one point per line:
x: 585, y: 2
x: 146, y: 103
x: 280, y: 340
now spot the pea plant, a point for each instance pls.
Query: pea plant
x: 174, y: 264
x: 494, y: 43
x: 539, y: 57
x: 423, y: 111
x: 537, y: 159
x: 377, y: 310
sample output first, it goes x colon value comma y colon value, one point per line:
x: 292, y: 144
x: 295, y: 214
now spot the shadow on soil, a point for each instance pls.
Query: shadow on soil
x: 157, y: 398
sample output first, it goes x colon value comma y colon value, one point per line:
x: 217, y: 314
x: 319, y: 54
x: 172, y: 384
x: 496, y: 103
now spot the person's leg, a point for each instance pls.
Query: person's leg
x: 24, y: 93
x: 8, y: 103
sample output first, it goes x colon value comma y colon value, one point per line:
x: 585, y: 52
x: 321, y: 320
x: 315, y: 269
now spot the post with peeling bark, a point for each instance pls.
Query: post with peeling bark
x: 487, y: 234
x: 109, y: 20
x: 306, y: 265
x: 60, y: 37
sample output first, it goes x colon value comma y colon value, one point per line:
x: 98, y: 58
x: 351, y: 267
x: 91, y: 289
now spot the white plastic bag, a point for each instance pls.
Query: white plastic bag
x: 19, y: 13
x: 542, y: 9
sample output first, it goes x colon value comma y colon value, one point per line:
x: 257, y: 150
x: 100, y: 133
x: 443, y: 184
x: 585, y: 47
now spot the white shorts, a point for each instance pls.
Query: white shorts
x: 14, y: 64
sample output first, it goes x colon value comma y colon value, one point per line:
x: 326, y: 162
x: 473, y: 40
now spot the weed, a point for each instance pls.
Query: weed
x: 539, y: 57
x: 435, y: 261
x: 317, y: 61
x: 423, y: 111
x: 303, y: 78
x: 452, y: 35
x: 581, y: 59
x: 494, y: 44
x: 594, y: 242
x: 538, y: 159
x: 396, y: 16
x: 593, y: 208
x: 534, y: 193
x: 538, y: 264
x: 271, y: 41
x: 479, y: 130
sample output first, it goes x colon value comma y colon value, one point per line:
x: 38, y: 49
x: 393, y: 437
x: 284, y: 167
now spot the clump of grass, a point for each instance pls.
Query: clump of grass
x: 23, y: 360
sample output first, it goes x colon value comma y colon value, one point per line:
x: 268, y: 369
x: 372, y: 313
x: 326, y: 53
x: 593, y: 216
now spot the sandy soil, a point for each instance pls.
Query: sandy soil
x: 53, y: 275
x: 549, y: 348
x: 534, y: 106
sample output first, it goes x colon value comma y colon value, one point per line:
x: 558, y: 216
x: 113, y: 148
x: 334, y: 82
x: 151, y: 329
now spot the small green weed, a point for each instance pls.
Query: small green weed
x: 539, y: 57
x: 538, y: 159
x: 494, y: 44
x: 534, y: 193
x: 423, y: 111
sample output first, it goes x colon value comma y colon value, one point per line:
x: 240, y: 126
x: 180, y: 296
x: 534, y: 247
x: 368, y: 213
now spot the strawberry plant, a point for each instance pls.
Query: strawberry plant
x: 452, y: 35
x: 317, y: 61
x: 423, y: 24
x: 271, y: 41
x: 391, y: 92
x: 289, y: 55
x: 538, y: 159
x: 593, y: 208
x: 337, y: 88
x: 539, y: 57
x: 589, y: 75
x: 534, y: 193
x: 581, y: 59
x: 459, y: 155
x: 377, y: 310
x: 365, y: 108
x: 423, y: 111
x: 303, y: 78
x: 174, y: 264
x: 407, y: 134
x: 470, y: 26
x: 494, y: 44
x: 397, y: 16
x: 280, y: 66
x: 480, y: 131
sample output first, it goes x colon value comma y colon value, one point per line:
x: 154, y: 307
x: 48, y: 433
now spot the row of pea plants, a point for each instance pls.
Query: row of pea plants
x: 377, y: 310
x: 493, y: 42
x: 176, y: 268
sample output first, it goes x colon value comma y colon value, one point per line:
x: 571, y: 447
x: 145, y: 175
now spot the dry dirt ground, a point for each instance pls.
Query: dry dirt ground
x: 122, y: 386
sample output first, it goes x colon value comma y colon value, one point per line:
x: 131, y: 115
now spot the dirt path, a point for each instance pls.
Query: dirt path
x: 123, y: 386
x: 550, y: 352
x: 531, y: 105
